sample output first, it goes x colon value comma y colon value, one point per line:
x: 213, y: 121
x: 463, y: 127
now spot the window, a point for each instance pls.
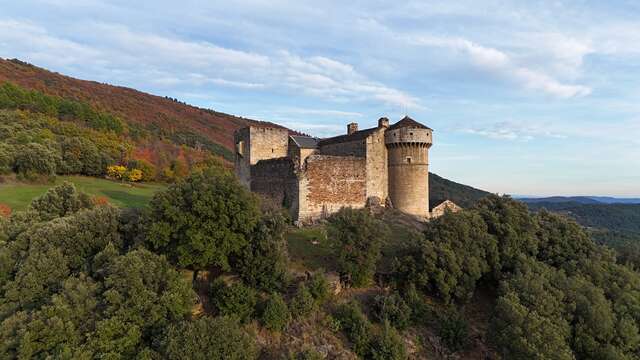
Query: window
x: 411, y: 133
x: 409, y: 159
x: 272, y: 150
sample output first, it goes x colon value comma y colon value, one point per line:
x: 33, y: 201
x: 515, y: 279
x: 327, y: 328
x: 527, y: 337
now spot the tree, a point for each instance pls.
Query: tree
x: 275, y: 315
x: 208, y: 338
x: 263, y: 263
x: 60, y: 201
x: 116, y: 171
x: 236, y: 299
x: 134, y: 175
x: 356, y: 326
x: 33, y: 160
x: 357, y: 240
x: 392, y: 308
x: 388, y: 345
x: 202, y: 220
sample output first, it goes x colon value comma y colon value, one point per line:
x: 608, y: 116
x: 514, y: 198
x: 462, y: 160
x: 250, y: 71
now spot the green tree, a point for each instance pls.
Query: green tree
x: 392, y: 308
x: 387, y: 345
x: 357, y: 240
x: 60, y: 201
x: 275, y: 315
x: 356, y: 326
x: 202, y: 220
x: 263, y: 263
x: 34, y: 160
x: 208, y: 338
x: 236, y: 299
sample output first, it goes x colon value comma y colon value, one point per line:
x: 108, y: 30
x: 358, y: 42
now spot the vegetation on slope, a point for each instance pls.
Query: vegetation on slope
x: 550, y: 291
x: 441, y: 189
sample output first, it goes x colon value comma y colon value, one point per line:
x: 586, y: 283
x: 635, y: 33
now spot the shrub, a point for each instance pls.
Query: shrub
x: 207, y: 338
x: 134, y: 175
x: 303, y: 302
x: 392, y: 308
x: 235, y: 300
x: 388, y: 345
x: 60, y: 201
x: 276, y: 315
x: 34, y: 160
x: 356, y: 326
x: 319, y: 287
x: 7, y: 158
x: 357, y: 240
x: 453, y: 329
x: 309, y: 354
x: 116, y: 171
x: 203, y: 220
x: 263, y: 263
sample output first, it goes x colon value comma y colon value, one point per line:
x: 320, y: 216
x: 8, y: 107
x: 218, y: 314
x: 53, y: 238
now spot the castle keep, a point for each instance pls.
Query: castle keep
x: 313, y: 178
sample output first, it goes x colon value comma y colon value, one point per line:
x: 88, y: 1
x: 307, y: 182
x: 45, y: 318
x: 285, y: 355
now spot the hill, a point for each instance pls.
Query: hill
x: 162, y: 116
x: 441, y: 189
x: 581, y: 200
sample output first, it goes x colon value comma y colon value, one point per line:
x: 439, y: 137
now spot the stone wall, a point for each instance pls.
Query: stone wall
x: 351, y: 148
x: 328, y: 183
x: 377, y: 169
x: 276, y: 180
x: 267, y: 143
x: 409, y: 178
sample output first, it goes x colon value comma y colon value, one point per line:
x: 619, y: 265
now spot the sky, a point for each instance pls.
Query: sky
x: 525, y: 97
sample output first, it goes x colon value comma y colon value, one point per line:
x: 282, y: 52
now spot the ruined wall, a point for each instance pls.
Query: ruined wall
x: 329, y: 183
x: 377, y: 169
x: 276, y: 180
x: 242, y: 140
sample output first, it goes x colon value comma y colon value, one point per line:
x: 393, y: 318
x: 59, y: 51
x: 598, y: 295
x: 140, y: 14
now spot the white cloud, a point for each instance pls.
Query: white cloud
x: 513, y: 131
x: 501, y: 64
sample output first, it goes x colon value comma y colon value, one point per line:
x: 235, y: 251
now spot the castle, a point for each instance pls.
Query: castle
x: 387, y: 165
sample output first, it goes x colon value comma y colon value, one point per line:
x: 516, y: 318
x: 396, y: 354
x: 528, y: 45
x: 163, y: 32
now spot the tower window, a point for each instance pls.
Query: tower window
x: 409, y: 159
x: 411, y: 133
x: 272, y: 151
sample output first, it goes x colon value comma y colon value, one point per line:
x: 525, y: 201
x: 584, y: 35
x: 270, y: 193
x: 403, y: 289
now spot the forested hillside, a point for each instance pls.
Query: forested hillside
x: 204, y: 272
x: 441, y: 189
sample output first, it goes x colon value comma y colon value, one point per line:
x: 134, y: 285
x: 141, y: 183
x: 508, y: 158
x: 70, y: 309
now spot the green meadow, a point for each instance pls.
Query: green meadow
x: 18, y: 195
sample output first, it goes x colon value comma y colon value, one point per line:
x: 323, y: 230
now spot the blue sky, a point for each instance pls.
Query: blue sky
x: 535, y: 97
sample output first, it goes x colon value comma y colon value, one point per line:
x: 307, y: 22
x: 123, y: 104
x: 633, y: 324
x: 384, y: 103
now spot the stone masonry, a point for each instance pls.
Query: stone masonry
x: 313, y: 178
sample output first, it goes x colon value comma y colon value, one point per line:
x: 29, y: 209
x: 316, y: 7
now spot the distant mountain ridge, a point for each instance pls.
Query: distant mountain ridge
x: 580, y: 200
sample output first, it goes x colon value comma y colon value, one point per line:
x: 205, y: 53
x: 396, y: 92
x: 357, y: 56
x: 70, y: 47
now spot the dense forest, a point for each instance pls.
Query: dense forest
x: 205, y: 272
x: 614, y: 225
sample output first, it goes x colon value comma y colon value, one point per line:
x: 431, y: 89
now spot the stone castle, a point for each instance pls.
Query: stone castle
x: 387, y: 165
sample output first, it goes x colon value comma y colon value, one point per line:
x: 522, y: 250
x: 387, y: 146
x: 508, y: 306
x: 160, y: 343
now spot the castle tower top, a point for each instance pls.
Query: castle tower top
x: 408, y: 131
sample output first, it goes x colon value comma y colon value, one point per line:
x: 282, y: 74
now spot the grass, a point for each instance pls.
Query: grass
x: 309, y: 249
x: 18, y: 195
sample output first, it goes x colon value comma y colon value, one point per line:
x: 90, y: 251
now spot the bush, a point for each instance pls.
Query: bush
x: 319, y: 287
x: 203, y: 220
x: 356, y: 326
x: 264, y: 261
x: 303, y: 302
x: 35, y: 160
x: 7, y: 158
x: 388, y: 345
x: 453, y: 329
x: 357, y: 240
x: 309, y: 354
x: 392, y: 308
x: 60, y: 201
x: 276, y: 315
x: 234, y: 300
x: 208, y: 338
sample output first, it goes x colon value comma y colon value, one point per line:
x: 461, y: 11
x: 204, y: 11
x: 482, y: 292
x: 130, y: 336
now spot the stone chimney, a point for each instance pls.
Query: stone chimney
x: 383, y: 122
x: 351, y: 128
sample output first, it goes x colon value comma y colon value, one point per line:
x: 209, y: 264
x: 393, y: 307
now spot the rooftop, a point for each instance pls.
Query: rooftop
x: 305, y: 142
x: 408, y: 122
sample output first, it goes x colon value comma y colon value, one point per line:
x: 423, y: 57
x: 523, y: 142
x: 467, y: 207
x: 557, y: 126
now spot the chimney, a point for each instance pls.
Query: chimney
x: 383, y: 122
x: 351, y: 128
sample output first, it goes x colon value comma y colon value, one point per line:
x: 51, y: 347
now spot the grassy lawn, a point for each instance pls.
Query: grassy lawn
x: 19, y: 195
x: 309, y: 249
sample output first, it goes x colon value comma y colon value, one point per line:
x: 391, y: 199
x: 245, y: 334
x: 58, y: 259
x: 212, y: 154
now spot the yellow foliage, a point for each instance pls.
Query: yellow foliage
x: 134, y: 175
x: 116, y: 171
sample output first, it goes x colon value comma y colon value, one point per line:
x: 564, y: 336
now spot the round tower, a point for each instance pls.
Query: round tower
x: 408, y: 144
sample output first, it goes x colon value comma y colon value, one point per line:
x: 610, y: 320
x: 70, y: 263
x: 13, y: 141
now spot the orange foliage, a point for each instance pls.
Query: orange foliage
x: 100, y: 200
x: 5, y: 210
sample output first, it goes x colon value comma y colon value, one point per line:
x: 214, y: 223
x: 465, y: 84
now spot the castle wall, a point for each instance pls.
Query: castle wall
x: 377, y: 170
x: 351, y: 148
x: 276, y: 180
x: 329, y: 183
x: 267, y: 143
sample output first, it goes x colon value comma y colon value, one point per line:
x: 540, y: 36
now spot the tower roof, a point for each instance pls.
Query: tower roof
x: 408, y: 122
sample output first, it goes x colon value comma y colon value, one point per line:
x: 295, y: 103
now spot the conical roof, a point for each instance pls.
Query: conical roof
x: 408, y: 122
